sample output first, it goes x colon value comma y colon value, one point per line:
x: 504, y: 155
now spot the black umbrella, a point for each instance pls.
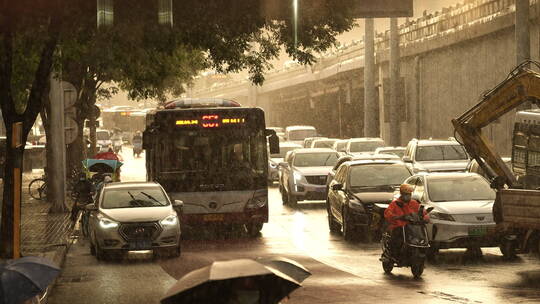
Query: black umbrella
x: 24, y: 278
x: 287, y: 266
x: 219, y: 283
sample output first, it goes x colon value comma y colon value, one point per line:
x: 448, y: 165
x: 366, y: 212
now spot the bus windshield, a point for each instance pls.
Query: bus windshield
x: 194, y: 161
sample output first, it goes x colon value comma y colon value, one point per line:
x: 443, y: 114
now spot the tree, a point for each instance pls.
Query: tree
x: 232, y: 34
x: 140, y: 59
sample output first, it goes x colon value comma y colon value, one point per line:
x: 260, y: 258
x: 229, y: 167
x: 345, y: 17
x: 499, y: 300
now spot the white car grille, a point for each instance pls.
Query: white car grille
x: 474, y: 218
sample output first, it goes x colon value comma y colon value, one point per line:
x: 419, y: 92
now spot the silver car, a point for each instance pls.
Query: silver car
x: 399, y: 151
x: 341, y: 146
x: 323, y: 143
x: 303, y: 174
x: 430, y: 155
x: 133, y: 216
x: 275, y: 159
x: 462, y: 215
x: 363, y: 145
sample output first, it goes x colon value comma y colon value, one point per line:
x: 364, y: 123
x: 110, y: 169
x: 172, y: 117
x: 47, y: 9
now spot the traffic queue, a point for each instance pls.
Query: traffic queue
x: 358, y: 178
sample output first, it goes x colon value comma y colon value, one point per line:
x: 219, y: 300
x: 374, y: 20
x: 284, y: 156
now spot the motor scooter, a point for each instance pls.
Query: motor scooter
x: 117, y: 145
x: 414, y: 245
x: 137, y: 147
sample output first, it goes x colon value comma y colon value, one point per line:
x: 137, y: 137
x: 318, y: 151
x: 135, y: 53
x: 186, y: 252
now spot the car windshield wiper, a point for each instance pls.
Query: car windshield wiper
x: 385, y: 187
x: 152, y: 198
x: 132, y: 197
x: 364, y: 187
x: 375, y: 187
x: 327, y: 159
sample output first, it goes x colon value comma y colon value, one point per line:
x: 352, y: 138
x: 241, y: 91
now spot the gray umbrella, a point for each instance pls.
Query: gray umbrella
x: 287, y: 266
x: 24, y: 278
x: 217, y: 283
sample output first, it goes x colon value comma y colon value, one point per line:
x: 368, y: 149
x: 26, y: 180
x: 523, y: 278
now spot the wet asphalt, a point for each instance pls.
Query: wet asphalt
x: 342, y: 272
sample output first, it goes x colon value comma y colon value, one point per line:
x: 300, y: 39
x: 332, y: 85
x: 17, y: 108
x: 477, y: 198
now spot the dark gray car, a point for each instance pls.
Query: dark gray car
x: 359, y: 194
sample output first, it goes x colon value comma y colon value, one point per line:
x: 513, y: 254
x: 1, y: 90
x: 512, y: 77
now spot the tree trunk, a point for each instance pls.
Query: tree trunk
x: 10, y: 220
x: 93, y: 139
x: 75, y: 152
x: 11, y: 214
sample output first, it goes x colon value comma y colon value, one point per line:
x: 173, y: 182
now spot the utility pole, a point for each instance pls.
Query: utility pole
x: 371, y: 123
x: 395, y: 120
x: 56, y: 188
x: 522, y: 30
x: 522, y: 38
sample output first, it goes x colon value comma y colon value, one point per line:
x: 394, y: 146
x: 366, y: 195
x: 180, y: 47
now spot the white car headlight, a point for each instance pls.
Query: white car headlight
x: 442, y: 216
x: 106, y: 223
x: 297, y: 176
x: 170, y: 220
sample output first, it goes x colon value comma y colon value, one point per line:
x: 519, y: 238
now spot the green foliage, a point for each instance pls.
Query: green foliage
x: 153, y: 61
x: 27, y: 47
x: 236, y: 36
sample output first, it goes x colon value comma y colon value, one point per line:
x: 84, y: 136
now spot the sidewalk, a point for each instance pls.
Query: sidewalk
x: 42, y: 233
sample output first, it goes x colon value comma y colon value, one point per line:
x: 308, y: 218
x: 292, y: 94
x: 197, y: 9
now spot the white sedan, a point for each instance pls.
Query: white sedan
x: 133, y: 216
x: 462, y: 215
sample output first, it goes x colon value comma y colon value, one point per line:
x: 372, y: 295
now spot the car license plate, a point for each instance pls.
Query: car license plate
x: 213, y: 218
x: 477, y: 231
x: 140, y: 245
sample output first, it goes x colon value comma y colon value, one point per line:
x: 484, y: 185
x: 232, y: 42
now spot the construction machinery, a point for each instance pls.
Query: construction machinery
x: 516, y: 209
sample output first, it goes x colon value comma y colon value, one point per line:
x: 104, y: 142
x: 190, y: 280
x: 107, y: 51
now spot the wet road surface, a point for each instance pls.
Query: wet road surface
x: 342, y: 272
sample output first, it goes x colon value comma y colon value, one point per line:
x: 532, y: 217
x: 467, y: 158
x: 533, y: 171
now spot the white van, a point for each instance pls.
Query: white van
x: 103, y: 139
x: 297, y: 134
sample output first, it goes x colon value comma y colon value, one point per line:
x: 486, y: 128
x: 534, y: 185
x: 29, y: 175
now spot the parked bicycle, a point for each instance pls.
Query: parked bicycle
x: 38, y: 188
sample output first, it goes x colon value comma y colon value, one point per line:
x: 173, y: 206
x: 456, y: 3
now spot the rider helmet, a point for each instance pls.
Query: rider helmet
x: 405, y: 189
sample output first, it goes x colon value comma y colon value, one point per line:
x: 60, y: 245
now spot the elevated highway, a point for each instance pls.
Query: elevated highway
x: 448, y: 58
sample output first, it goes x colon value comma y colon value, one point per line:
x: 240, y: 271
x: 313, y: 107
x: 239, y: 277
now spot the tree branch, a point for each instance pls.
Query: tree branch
x: 41, y: 79
x: 6, y: 69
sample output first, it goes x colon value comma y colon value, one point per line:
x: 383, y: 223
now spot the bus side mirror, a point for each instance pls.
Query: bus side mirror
x: 273, y: 141
x: 147, y: 140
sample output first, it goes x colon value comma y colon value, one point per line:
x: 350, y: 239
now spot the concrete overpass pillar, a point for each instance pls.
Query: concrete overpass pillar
x: 522, y: 31
x: 252, y: 96
x: 371, y: 123
x: 395, y: 131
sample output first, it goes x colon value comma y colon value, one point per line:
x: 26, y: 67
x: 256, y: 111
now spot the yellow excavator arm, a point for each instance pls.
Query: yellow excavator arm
x: 522, y: 85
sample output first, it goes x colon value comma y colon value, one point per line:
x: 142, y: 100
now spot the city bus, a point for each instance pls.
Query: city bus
x: 125, y: 119
x: 212, y: 155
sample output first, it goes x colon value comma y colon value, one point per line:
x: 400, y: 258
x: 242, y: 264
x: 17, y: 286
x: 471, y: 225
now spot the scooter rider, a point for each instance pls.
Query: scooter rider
x: 397, y: 212
x: 137, y: 137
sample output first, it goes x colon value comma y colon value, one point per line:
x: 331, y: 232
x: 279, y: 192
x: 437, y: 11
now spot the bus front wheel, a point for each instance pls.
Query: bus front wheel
x: 253, y: 229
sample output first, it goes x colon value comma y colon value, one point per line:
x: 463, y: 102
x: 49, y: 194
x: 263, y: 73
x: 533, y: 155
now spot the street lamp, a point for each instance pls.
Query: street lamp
x: 165, y: 13
x: 105, y: 12
x: 295, y: 18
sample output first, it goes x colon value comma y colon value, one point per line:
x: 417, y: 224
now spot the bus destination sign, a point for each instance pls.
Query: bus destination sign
x: 210, y: 121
